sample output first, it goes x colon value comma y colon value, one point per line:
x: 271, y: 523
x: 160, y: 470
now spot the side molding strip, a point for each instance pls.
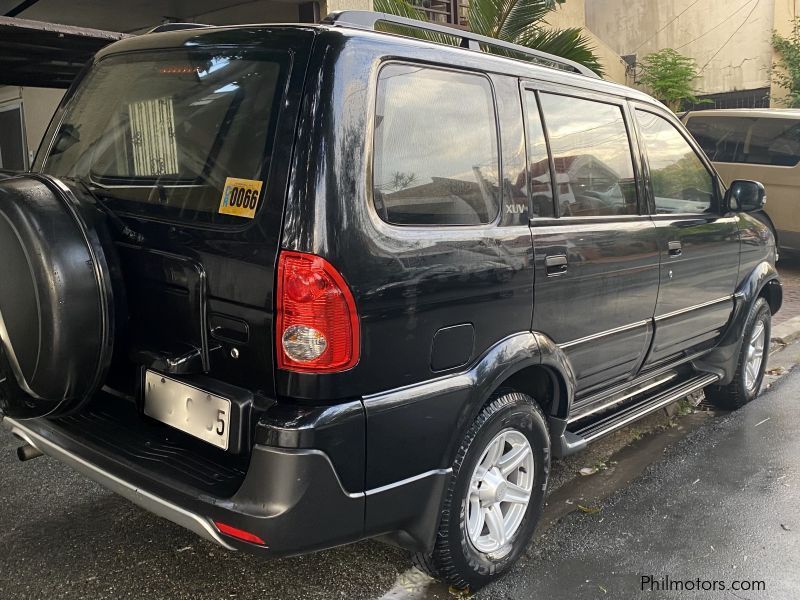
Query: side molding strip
x: 688, y: 309
x: 606, y: 333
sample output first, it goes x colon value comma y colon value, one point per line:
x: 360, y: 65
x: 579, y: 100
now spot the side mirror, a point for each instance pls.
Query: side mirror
x: 744, y: 195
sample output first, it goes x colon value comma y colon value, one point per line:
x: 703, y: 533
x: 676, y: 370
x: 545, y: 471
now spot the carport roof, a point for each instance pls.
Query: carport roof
x: 39, y: 54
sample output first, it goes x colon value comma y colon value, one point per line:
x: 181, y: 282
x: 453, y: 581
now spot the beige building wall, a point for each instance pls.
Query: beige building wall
x: 38, y: 104
x: 785, y: 13
x: 276, y: 11
x: 573, y: 14
x: 731, y: 41
x: 331, y: 5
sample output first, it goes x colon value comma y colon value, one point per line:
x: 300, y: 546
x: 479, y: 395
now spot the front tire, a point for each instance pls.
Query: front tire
x: 752, y: 362
x: 495, y: 495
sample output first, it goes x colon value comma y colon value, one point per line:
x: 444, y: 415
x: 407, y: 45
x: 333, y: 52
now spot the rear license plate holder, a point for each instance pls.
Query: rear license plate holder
x: 194, y: 411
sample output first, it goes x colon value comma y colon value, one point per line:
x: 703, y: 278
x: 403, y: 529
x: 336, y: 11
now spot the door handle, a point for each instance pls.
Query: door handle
x: 674, y: 248
x: 555, y: 264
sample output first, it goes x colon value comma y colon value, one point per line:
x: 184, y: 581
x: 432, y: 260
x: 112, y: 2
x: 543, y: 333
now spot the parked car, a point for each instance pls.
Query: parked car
x: 287, y: 285
x: 761, y: 144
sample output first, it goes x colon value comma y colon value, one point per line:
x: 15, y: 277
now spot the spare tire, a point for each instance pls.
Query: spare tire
x: 56, y: 298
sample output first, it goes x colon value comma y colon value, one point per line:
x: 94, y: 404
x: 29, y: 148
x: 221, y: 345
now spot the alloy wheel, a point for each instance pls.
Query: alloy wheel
x: 755, y: 356
x: 499, y: 491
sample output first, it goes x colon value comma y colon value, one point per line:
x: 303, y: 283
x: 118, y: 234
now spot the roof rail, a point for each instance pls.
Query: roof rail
x: 176, y: 27
x: 363, y: 19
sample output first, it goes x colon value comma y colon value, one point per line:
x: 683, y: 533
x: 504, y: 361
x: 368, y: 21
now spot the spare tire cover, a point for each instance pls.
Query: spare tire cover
x: 56, y: 299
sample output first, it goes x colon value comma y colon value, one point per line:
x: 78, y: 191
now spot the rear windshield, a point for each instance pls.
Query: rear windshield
x: 161, y: 133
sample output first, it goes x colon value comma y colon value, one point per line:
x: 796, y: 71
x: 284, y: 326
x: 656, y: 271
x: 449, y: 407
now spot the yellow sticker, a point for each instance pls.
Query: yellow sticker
x: 240, y: 197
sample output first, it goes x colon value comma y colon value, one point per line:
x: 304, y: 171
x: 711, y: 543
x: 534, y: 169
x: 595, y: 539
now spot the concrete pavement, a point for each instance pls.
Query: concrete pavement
x: 789, y: 270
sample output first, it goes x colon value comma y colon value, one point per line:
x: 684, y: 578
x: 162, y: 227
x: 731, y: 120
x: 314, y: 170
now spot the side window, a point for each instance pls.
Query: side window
x: 681, y: 182
x: 592, y: 155
x: 723, y: 139
x: 774, y: 142
x: 436, y: 156
x: 541, y: 187
x: 748, y: 140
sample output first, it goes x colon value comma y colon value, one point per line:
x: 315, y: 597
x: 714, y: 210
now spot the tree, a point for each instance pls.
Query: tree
x: 518, y: 21
x: 787, y: 75
x: 670, y: 75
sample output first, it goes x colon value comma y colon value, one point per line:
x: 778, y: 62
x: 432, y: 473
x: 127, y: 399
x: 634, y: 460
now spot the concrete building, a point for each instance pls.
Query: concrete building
x: 730, y: 41
x: 573, y: 14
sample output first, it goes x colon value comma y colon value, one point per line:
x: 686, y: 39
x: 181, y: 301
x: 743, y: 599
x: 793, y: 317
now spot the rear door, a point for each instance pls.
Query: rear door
x: 596, y: 252
x: 191, y: 145
x: 698, y: 245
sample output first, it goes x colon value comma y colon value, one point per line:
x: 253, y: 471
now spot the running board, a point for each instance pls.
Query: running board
x: 640, y: 410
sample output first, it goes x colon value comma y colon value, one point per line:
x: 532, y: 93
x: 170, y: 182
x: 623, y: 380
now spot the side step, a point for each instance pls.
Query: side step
x: 632, y: 413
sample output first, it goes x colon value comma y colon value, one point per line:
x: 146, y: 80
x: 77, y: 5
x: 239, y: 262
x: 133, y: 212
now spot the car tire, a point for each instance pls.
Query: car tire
x: 751, y: 364
x: 485, y: 525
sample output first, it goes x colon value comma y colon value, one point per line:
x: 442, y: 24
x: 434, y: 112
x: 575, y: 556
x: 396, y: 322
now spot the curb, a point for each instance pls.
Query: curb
x: 784, y: 334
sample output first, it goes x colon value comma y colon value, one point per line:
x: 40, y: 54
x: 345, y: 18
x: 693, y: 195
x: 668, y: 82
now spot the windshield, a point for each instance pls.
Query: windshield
x: 161, y: 133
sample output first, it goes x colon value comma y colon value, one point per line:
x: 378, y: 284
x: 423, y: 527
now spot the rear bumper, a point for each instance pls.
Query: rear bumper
x: 291, y: 498
x: 155, y: 504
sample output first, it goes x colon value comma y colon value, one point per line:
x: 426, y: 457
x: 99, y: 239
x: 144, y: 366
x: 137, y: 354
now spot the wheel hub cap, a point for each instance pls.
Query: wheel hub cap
x: 499, y: 492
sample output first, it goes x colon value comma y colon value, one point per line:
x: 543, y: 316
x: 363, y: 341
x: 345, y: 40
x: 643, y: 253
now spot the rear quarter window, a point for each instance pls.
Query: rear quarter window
x: 436, y: 158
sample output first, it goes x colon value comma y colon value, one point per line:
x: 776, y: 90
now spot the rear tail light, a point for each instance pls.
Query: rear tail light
x: 316, y: 320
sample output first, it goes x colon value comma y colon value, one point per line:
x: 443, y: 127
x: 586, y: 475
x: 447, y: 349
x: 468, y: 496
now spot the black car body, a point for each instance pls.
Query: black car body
x: 566, y: 275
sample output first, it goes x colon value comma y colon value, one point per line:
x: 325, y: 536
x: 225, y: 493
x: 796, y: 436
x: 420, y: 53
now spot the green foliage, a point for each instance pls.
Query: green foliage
x: 787, y: 75
x: 517, y: 21
x: 670, y: 75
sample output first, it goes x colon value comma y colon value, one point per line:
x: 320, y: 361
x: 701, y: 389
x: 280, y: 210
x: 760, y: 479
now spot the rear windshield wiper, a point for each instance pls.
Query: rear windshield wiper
x: 118, y: 223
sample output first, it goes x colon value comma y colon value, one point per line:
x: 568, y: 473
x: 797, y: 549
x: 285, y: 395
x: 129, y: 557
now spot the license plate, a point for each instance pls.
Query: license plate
x: 190, y: 409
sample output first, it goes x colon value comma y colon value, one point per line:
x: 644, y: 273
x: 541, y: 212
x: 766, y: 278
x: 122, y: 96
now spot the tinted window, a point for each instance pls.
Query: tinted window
x: 752, y: 140
x: 681, y: 183
x: 166, y: 129
x: 541, y: 188
x: 436, y: 158
x: 594, y: 168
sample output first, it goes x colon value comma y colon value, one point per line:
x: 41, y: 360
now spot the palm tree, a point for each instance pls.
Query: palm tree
x: 518, y: 21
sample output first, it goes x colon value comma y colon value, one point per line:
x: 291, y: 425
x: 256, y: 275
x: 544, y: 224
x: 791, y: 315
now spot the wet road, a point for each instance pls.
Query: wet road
x: 62, y: 536
x: 722, y: 505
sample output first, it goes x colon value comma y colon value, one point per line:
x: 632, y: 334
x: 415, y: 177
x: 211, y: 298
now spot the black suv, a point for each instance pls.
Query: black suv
x: 293, y: 286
